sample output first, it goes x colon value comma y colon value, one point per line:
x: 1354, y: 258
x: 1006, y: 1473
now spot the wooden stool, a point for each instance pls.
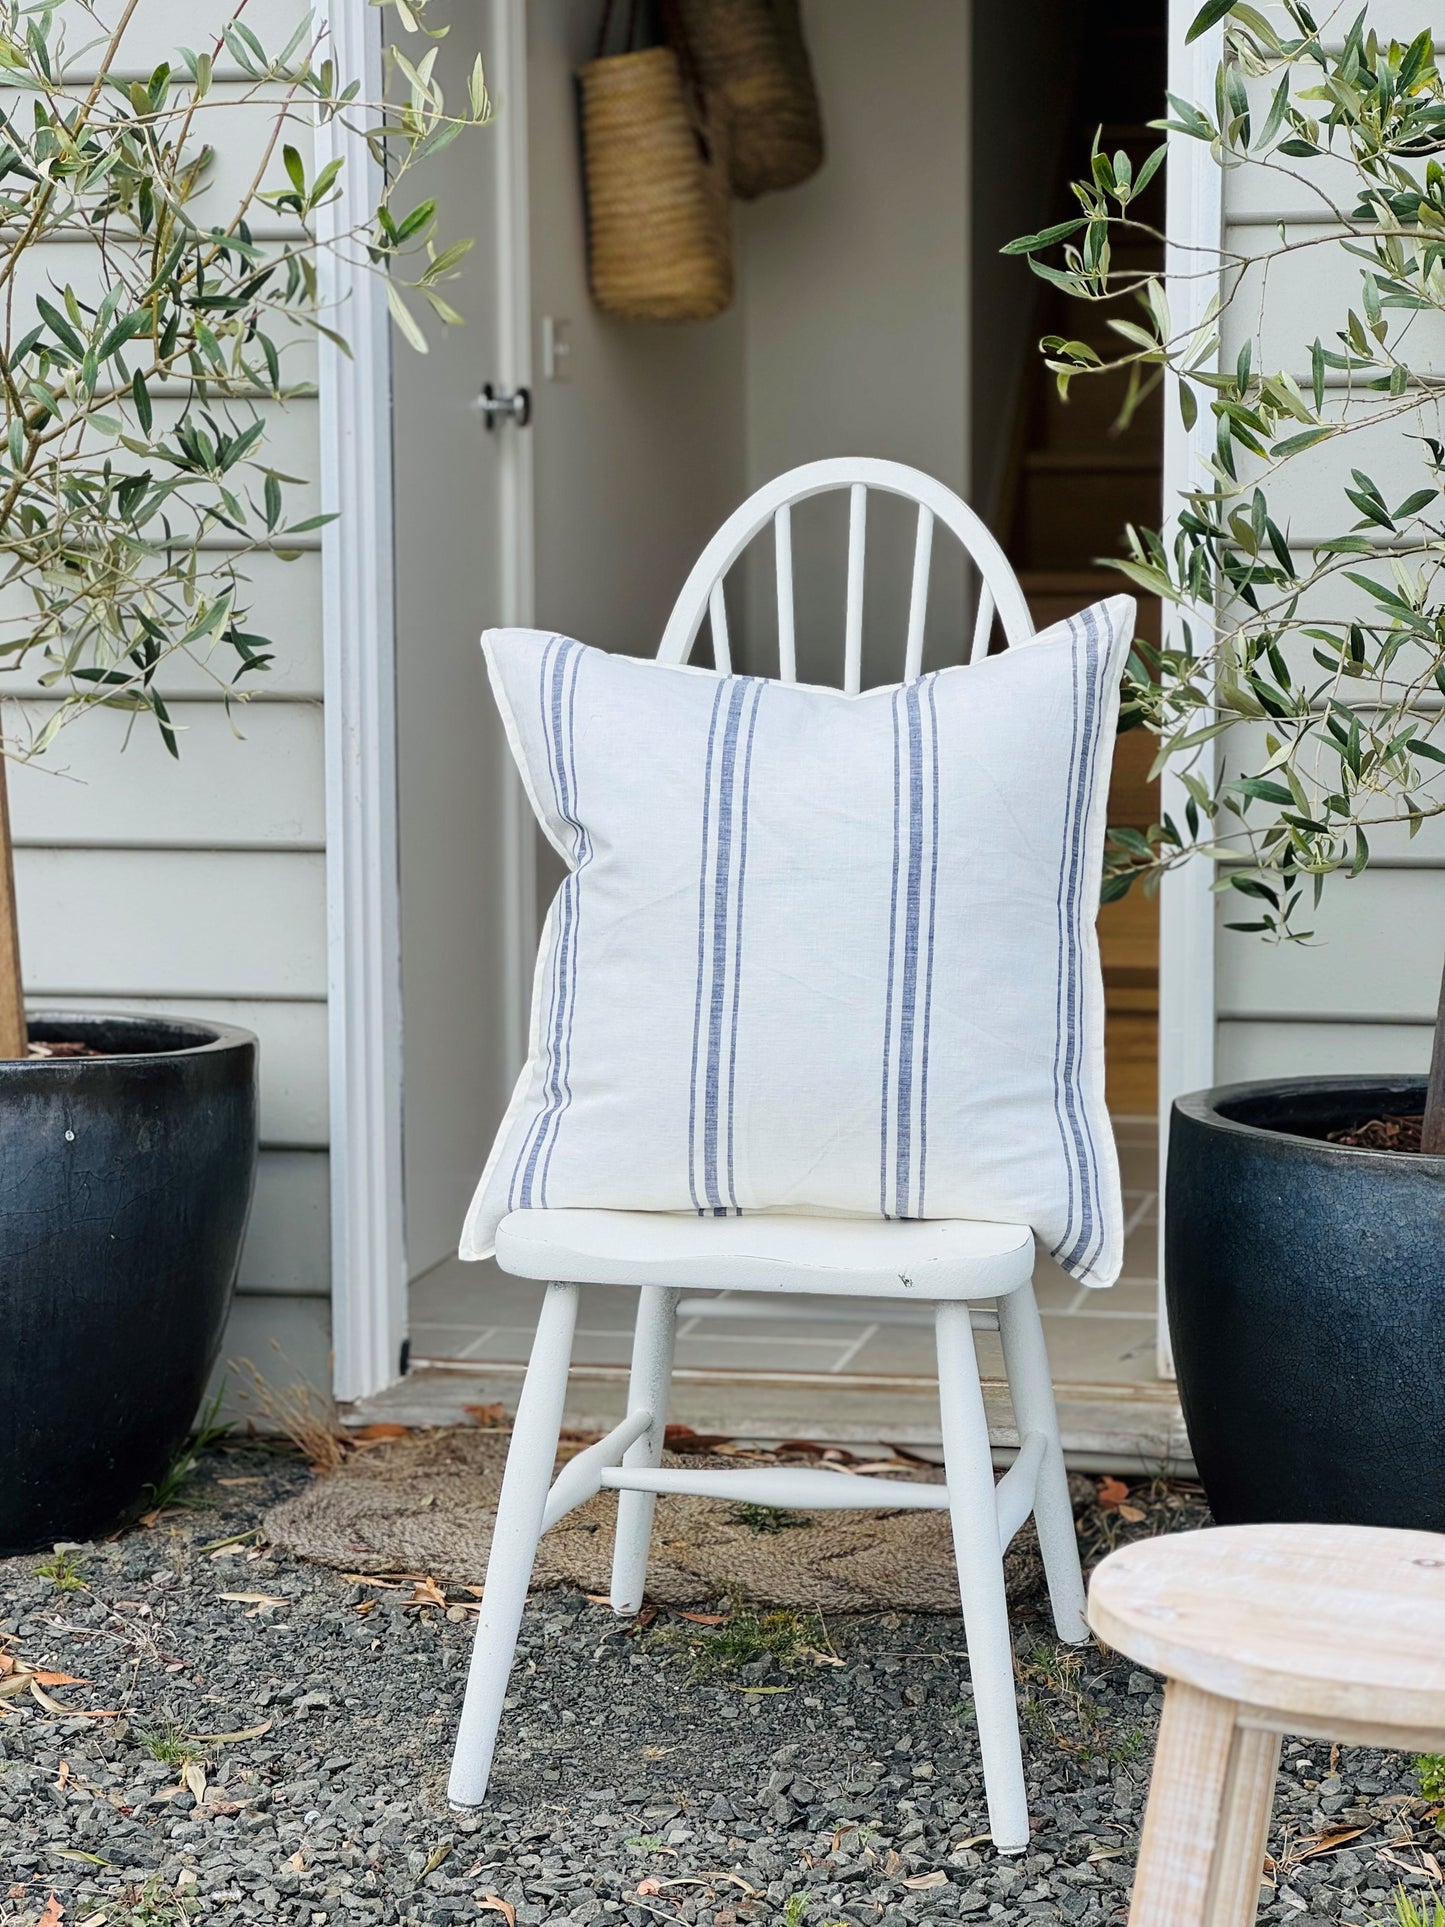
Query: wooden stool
x: 1332, y: 1632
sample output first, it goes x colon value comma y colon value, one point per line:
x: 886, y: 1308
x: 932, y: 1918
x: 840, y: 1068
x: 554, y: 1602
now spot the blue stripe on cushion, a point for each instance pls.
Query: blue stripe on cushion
x: 907, y: 1018
x: 1083, y: 1225
x: 758, y: 688
x: 581, y: 857
x: 721, y: 893
x: 551, y: 685
x: 928, y: 972
x: 701, y: 945
x: 892, y: 947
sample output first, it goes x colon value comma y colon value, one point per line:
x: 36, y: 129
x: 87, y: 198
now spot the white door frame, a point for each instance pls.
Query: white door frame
x: 363, y: 926
x: 1194, y: 225
x: 368, y: 1249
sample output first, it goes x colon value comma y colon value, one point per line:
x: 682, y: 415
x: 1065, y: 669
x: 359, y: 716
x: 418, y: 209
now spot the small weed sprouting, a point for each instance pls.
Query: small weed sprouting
x: 767, y: 1518
x: 795, y: 1910
x: 63, y: 1573
x: 1430, y: 1771
x: 1055, y: 1704
x: 789, y: 1637
x: 645, y: 1843
x: 154, y: 1906
x: 168, y: 1744
x: 169, y: 1490
x: 1427, y: 1911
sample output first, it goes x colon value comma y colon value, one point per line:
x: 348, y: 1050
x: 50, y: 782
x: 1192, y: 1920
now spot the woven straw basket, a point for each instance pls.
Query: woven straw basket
x: 751, y: 54
x: 659, y: 225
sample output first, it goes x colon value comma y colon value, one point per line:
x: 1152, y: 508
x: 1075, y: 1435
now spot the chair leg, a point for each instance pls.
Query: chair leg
x: 515, y: 1536
x: 974, y: 1513
x: 1201, y: 1855
x: 648, y: 1389
x: 1031, y: 1388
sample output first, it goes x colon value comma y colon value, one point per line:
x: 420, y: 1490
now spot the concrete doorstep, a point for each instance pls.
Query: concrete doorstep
x: 1106, y: 1428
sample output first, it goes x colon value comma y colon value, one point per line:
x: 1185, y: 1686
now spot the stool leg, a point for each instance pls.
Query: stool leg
x: 1202, y: 1850
x: 973, y: 1509
x: 515, y: 1536
x: 1031, y: 1388
x: 648, y: 1388
x: 1248, y: 1801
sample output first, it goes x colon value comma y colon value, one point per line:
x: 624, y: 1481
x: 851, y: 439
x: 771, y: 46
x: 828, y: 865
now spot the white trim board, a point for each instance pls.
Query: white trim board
x: 363, y: 950
x: 368, y: 1244
x: 1194, y: 224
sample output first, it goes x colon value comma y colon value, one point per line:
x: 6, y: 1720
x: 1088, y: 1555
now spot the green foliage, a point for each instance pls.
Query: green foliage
x: 1430, y: 1770
x: 63, y: 1573
x: 788, y: 1636
x: 767, y: 1518
x: 168, y: 1743
x: 136, y: 476
x: 1298, y: 691
x: 171, y: 1488
x: 1427, y: 1911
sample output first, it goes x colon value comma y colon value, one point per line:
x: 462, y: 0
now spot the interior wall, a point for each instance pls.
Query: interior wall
x: 639, y: 443
x: 856, y: 318
x: 1017, y: 138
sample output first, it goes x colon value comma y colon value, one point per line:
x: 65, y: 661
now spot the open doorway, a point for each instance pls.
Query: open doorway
x: 873, y: 315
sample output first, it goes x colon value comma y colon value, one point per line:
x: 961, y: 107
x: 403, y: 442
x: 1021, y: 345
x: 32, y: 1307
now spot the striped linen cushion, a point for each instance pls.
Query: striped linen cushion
x: 818, y: 952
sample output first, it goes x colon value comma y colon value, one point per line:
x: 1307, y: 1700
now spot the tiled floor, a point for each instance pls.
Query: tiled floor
x: 474, y: 1313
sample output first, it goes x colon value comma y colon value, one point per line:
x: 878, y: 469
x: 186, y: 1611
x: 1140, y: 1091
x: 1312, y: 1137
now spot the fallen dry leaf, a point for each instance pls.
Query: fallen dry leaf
x: 495, y: 1904
x: 938, y: 1878
x: 194, y: 1775
x: 297, y: 1862
x: 489, y: 1417
x: 1111, y: 1491
x: 1132, y: 1513
x: 435, y: 1858
x: 259, y: 1602
x: 93, y: 1920
x: 1327, y: 1842
x: 229, y: 1739
x: 427, y: 1593
x: 383, y: 1429
x: 64, y: 1774
x: 702, y: 1619
x: 54, y: 1913
x: 652, y: 1885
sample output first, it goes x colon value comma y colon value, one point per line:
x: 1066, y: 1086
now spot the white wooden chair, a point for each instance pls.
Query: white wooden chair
x: 954, y: 1264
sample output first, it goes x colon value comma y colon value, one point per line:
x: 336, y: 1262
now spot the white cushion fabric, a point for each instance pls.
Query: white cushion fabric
x: 816, y: 952
x: 857, y: 1257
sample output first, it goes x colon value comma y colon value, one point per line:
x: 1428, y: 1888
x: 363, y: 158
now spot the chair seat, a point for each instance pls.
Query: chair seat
x: 864, y: 1257
x: 1317, y: 1622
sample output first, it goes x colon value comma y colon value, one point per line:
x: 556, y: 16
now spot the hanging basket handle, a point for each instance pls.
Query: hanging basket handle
x: 606, y: 22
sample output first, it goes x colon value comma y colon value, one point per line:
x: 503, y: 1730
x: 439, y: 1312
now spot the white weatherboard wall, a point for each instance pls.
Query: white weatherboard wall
x: 1363, y: 998
x: 197, y: 887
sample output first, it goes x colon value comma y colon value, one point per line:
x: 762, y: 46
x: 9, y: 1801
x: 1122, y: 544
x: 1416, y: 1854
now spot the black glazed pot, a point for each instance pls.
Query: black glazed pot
x: 1306, y: 1294
x: 125, y: 1183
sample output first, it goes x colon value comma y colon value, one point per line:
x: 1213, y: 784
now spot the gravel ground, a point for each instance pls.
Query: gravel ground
x: 773, y: 1769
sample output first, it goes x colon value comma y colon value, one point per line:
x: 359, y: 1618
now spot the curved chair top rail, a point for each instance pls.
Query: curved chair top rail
x: 702, y: 593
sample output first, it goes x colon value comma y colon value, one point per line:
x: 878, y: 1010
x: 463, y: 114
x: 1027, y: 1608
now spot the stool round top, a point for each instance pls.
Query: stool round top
x: 1344, y: 1622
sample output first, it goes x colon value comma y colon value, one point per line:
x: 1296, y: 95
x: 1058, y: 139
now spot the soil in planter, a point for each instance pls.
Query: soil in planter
x: 64, y: 1047
x: 1382, y: 1134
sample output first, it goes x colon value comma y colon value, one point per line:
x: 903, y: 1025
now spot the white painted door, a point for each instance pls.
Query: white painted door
x: 462, y: 530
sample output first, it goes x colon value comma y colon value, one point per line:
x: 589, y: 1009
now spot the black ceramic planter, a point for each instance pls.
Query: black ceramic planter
x: 125, y: 1181
x: 1306, y: 1292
